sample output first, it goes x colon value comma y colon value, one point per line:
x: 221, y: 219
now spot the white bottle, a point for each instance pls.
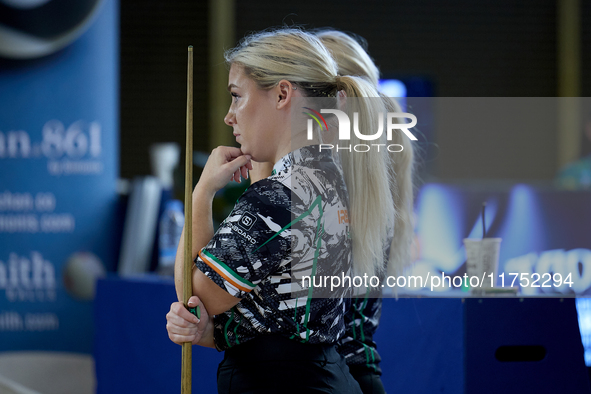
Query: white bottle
x: 171, y: 227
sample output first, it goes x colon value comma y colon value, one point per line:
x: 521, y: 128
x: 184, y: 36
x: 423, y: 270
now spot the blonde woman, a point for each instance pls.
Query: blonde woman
x: 363, y: 317
x: 276, y: 339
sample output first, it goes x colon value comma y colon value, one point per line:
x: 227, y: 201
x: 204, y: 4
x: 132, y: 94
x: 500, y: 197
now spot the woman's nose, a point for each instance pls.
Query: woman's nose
x: 229, y: 119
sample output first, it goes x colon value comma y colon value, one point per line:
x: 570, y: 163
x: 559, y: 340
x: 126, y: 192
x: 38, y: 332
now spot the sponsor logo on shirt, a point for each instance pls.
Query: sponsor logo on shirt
x: 243, y: 233
x: 247, y: 221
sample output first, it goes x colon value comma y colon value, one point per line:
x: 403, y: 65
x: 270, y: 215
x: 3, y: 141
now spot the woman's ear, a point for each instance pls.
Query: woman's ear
x: 341, y: 99
x: 284, y: 92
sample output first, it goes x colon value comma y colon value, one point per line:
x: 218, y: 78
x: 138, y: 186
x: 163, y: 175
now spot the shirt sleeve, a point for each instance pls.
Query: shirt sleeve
x: 253, y: 241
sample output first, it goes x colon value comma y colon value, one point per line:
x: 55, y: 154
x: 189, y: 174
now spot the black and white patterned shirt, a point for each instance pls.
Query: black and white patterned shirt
x: 361, y: 322
x: 283, y: 228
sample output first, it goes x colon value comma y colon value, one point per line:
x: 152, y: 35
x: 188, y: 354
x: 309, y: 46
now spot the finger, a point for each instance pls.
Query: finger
x: 180, y: 334
x: 180, y: 322
x: 193, y: 301
x: 175, y: 307
x: 240, y: 171
x: 195, y: 307
x: 180, y: 339
x: 179, y: 330
x: 179, y: 310
x: 223, y: 155
x: 238, y: 162
x: 232, y: 151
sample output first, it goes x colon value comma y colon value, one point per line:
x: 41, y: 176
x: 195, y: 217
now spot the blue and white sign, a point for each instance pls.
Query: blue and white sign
x: 58, y: 168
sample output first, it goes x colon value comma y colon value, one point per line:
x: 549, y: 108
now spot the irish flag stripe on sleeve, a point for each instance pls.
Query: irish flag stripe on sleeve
x: 225, y: 272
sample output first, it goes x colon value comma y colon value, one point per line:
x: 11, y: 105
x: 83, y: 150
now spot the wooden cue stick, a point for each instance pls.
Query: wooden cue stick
x: 188, y: 255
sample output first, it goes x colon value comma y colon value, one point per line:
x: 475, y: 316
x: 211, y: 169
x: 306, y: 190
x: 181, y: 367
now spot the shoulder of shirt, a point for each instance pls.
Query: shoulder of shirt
x: 264, y: 187
x: 270, y: 183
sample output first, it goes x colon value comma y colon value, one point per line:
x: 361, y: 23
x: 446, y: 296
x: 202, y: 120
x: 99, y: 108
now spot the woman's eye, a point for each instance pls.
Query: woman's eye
x: 234, y: 96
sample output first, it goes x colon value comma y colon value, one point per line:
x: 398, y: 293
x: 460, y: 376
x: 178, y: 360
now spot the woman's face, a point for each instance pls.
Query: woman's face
x: 253, y: 116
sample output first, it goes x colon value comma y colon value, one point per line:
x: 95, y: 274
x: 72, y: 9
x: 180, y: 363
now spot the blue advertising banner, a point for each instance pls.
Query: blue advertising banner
x: 58, y: 169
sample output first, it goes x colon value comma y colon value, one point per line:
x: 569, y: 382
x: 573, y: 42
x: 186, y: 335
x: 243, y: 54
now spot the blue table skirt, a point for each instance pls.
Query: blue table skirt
x: 427, y: 345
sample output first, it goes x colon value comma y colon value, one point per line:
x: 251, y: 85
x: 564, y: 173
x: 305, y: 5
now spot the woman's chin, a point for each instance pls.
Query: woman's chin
x: 245, y: 150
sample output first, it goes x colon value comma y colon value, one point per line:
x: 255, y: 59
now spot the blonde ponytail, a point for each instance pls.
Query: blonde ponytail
x: 372, y: 209
x: 352, y: 59
x: 402, y: 168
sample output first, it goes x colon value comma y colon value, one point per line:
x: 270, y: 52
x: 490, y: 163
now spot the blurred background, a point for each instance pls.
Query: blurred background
x: 92, y: 135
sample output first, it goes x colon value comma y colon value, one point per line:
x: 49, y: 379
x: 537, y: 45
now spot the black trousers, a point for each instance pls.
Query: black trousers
x: 274, y: 364
x: 369, y: 381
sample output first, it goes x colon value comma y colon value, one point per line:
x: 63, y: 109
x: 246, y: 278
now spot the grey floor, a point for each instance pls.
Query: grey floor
x: 46, y: 373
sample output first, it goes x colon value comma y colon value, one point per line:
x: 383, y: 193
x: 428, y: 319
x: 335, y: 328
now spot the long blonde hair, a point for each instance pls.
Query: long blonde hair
x: 301, y: 58
x: 352, y: 59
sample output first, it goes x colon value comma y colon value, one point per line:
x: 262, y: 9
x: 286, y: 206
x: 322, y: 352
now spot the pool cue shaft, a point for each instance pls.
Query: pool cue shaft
x: 188, y: 252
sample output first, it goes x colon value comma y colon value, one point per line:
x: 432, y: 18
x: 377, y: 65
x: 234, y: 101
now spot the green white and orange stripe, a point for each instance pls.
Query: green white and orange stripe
x: 225, y: 272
